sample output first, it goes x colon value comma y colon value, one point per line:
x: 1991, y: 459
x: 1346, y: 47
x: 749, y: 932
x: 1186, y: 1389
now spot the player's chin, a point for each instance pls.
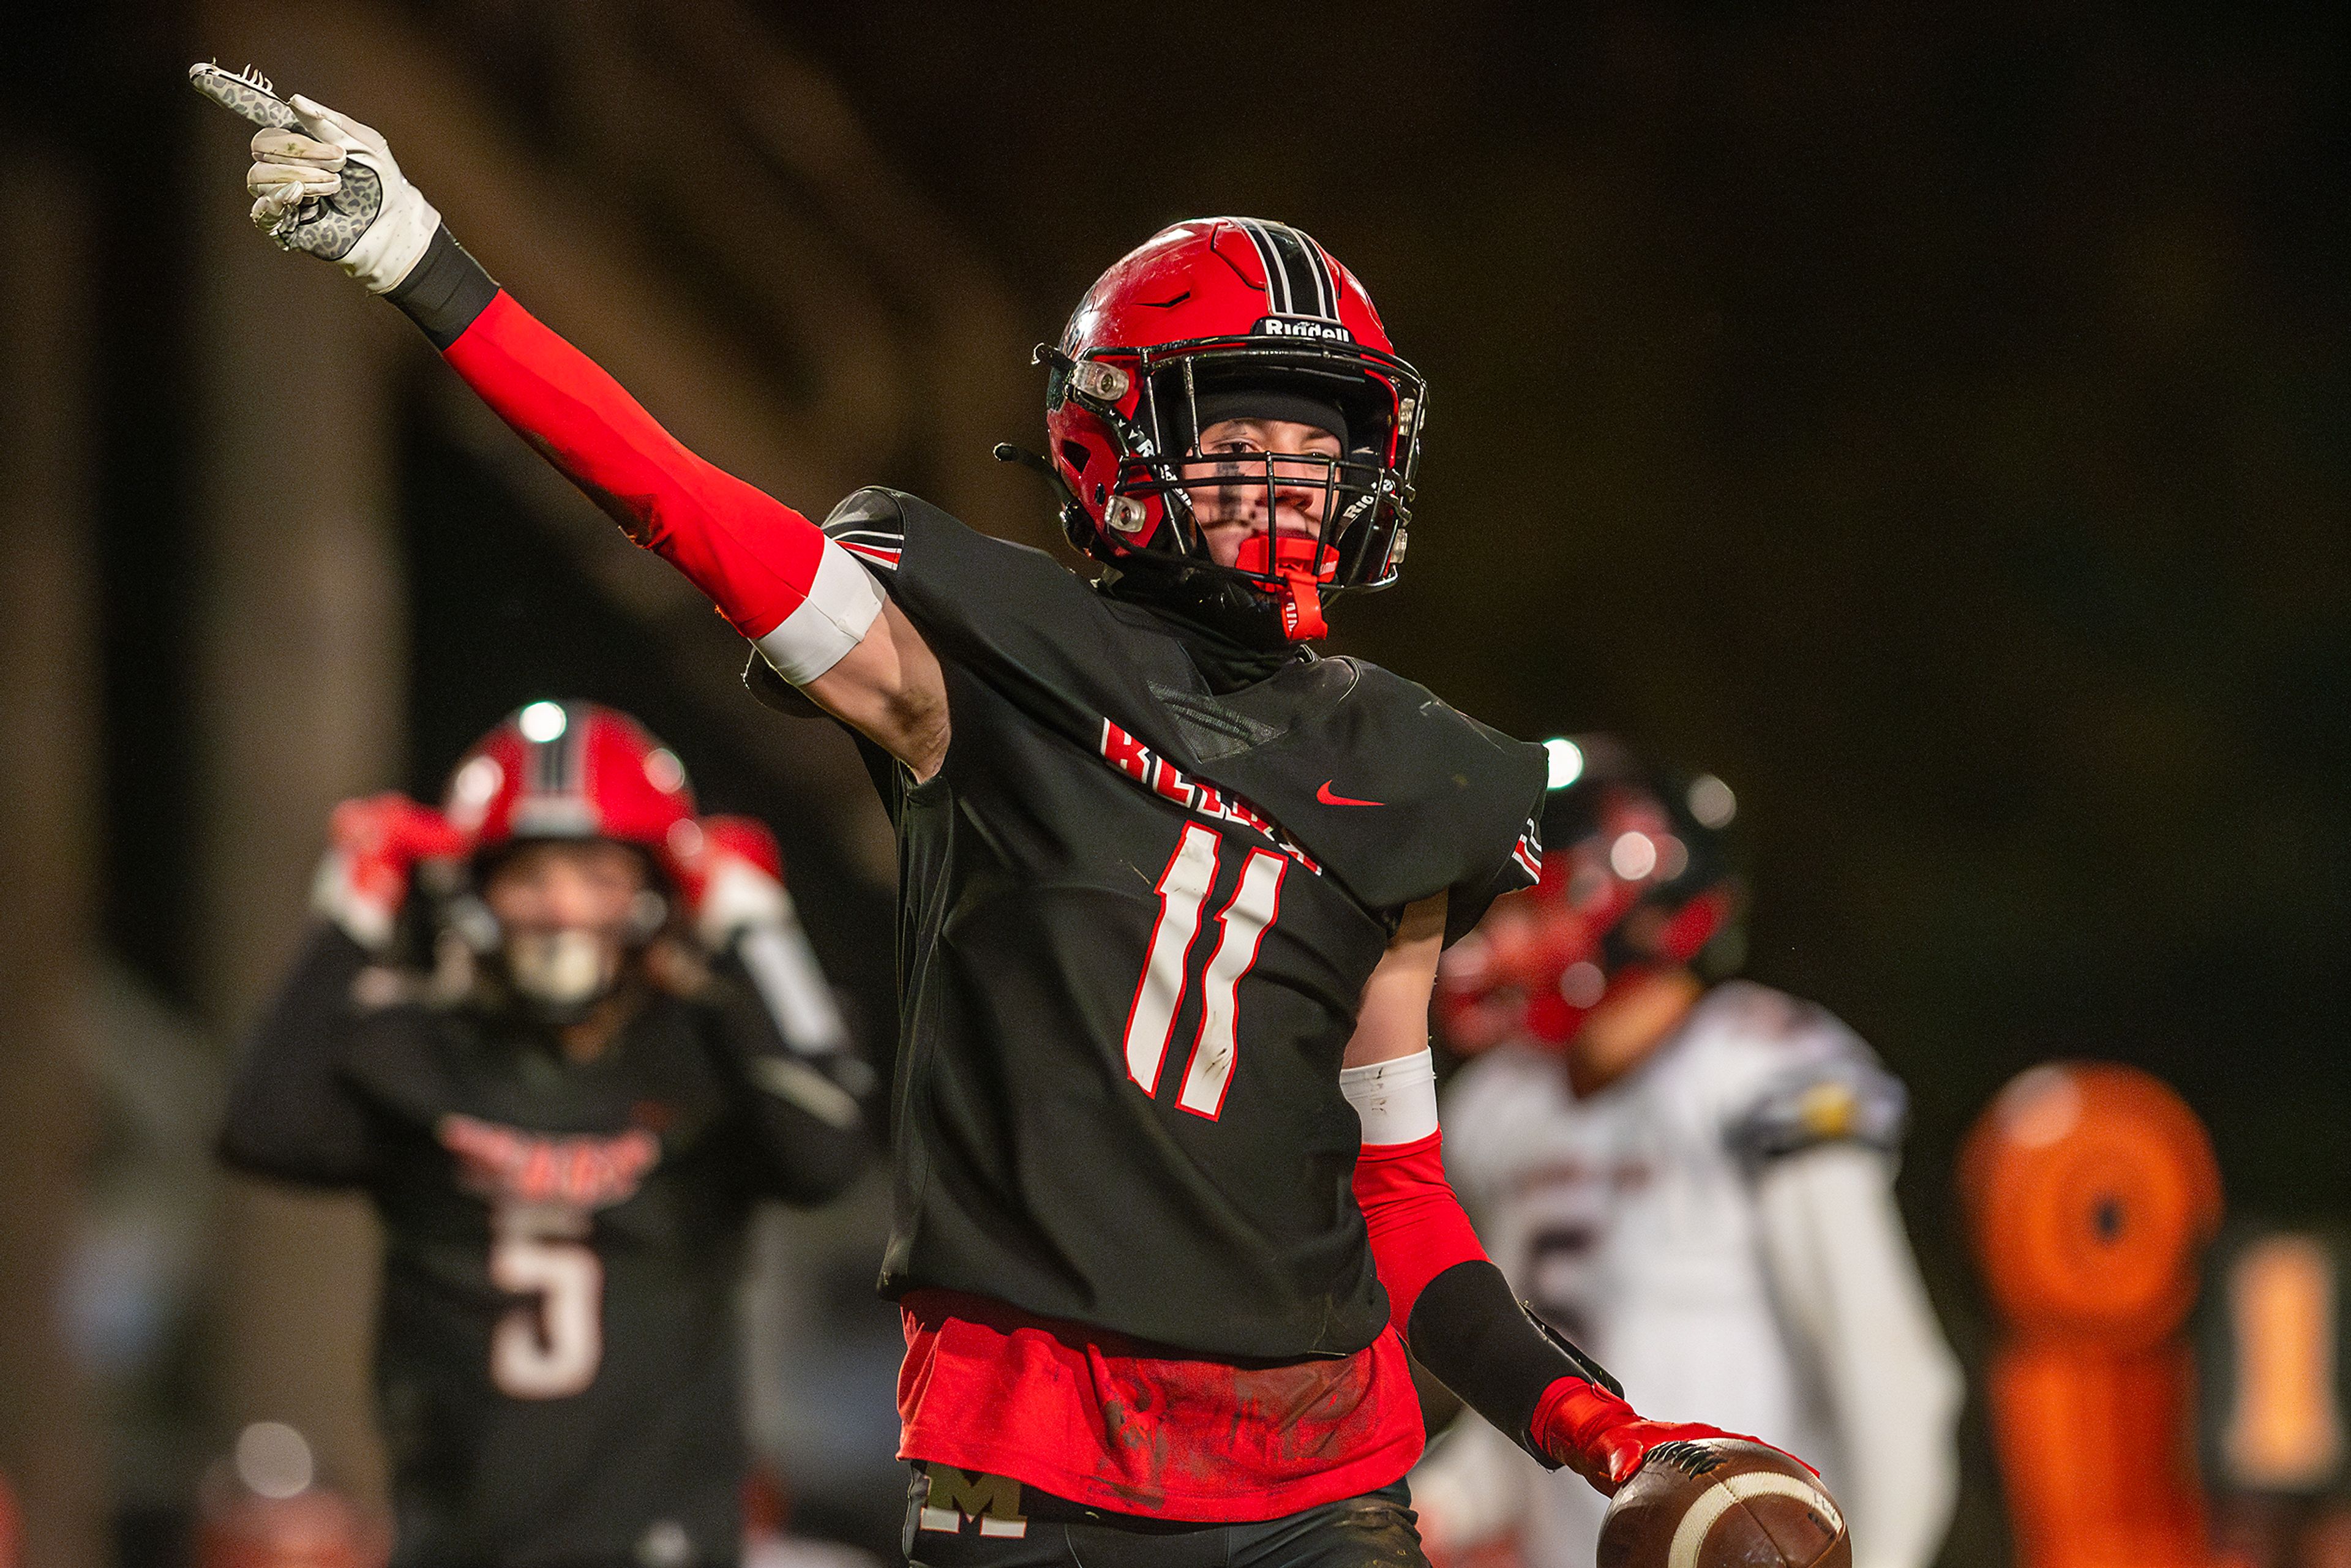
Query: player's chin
x: 1224, y: 541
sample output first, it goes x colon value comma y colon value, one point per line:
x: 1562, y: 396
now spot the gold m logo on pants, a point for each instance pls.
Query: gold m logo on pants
x: 957, y: 1495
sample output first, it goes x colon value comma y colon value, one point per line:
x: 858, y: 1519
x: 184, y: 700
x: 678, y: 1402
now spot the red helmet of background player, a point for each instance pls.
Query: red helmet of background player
x: 1635, y: 880
x: 575, y: 770
x: 1204, y: 312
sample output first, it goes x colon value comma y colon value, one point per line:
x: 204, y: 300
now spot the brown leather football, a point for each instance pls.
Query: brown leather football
x: 1722, y: 1503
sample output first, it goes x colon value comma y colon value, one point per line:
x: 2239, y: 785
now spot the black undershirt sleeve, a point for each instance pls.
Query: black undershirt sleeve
x: 444, y: 290
x: 290, y: 1114
x: 806, y: 1137
x: 1486, y: 1346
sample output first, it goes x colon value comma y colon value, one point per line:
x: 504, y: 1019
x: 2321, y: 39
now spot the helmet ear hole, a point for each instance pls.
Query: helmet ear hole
x: 1074, y: 454
x: 1124, y: 514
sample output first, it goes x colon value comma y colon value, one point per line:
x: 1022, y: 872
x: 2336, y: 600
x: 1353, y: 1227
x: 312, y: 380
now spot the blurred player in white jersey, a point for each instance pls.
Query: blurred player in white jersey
x: 1693, y: 1180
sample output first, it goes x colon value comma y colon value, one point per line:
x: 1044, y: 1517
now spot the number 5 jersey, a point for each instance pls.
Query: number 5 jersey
x: 557, y: 1366
x: 1136, y: 920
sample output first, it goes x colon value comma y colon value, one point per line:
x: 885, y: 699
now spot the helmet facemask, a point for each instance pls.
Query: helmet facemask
x: 558, y: 974
x: 1157, y: 402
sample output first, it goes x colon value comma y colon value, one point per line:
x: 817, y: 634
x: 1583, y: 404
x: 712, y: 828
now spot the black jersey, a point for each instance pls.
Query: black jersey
x: 555, y: 1361
x: 1136, y: 920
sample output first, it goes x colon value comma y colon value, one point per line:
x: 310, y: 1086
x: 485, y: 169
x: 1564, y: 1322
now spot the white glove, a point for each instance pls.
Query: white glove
x: 737, y: 880
x: 323, y: 183
x: 735, y: 891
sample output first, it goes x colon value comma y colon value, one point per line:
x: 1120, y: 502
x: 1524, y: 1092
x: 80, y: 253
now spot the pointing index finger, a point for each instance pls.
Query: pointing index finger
x: 246, y: 93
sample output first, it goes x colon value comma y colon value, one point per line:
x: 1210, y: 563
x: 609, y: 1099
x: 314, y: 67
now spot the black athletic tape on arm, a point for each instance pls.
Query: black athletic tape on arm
x: 444, y: 290
x: 1481, y: 1341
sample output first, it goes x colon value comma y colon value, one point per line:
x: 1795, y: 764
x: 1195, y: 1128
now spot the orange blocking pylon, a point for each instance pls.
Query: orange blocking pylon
x: 2091, y: 1191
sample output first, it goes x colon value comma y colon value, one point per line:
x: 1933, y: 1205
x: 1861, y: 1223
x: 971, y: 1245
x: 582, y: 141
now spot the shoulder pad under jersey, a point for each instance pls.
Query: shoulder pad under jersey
x: 1806, y: 1078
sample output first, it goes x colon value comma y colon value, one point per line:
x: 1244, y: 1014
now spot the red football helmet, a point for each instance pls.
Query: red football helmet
x: 1212, y: 306
x: 1636, y: 879
x: 575, y: 770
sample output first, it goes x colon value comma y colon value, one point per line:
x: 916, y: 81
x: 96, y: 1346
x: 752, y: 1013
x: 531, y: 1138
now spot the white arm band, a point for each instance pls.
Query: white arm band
x: 841, y: 605
x: 1396, y: 1100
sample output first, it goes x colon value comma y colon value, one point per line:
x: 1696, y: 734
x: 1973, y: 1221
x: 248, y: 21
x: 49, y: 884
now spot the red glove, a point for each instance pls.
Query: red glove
x: 1604, y: 1439
x: 373, y: 846
x: 736, y: 881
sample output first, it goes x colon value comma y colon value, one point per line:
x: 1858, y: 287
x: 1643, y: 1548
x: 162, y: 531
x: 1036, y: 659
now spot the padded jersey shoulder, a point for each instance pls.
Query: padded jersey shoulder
x: 1778, y: 1075
x: 1401, y: 795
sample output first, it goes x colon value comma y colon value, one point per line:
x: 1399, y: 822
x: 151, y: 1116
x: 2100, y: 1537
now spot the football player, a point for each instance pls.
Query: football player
x: 566, y: 1151
x: 1694, y: 1181
x: 1173, y: 888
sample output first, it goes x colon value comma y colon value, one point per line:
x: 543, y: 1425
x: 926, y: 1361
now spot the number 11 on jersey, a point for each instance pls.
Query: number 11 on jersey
x: 1159, y: 993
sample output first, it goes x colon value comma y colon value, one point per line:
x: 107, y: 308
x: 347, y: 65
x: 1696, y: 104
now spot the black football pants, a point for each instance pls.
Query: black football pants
x: 998, y: 1523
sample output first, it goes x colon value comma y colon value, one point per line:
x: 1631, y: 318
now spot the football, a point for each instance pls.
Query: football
x: 1723, y: 1503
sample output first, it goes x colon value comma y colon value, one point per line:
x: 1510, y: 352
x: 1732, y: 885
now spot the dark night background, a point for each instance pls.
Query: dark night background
x: 1931, y: 419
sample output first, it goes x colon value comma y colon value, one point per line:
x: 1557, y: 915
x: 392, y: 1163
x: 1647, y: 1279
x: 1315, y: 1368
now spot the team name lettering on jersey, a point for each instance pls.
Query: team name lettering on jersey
x: 1621, y: 1175
x: 508, y: 1164
x: 1162, y: 777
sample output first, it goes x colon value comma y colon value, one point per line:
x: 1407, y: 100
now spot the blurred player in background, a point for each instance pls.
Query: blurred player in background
x: 1171, y: 890
x: 565, y: 1143
x: 1692, y: 1180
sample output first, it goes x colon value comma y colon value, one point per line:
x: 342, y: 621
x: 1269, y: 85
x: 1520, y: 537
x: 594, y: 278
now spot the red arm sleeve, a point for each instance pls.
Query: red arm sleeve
x: 755, y: 558
x: 1418, y: 1228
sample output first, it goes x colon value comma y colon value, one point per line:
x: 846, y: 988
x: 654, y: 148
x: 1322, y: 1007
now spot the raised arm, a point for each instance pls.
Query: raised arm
x: 289, y: 1115
x: 324, y: 183
x: 812, y: 610
x: 782, y: 1038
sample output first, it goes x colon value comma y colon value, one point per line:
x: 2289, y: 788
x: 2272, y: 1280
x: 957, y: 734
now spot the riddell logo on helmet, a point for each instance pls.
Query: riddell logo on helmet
x: 1304, y: 327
